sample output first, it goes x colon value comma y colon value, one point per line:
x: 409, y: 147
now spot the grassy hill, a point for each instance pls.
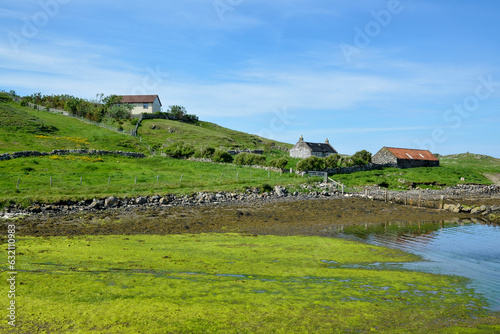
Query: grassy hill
x: 26, y: 129
x: 23, y: 128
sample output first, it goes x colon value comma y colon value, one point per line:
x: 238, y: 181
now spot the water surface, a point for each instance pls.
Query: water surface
x: 470, y: 250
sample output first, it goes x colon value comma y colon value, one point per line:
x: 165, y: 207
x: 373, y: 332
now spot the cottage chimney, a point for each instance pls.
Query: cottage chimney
x: 301, y: 138
x: 327, y: 141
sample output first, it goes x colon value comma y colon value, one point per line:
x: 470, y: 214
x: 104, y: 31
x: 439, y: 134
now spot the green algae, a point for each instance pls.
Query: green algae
x: 231, y: 283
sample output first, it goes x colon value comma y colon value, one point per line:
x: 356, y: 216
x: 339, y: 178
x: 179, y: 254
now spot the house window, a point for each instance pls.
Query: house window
x: 145, y: 105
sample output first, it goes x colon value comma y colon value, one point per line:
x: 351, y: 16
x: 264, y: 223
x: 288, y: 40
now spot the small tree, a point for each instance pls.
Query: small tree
x: 122, y: 111
x: 177, y: 112
x: 362, y: 157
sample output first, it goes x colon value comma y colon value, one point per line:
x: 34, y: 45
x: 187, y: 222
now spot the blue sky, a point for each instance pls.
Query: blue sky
x: 365, y: 74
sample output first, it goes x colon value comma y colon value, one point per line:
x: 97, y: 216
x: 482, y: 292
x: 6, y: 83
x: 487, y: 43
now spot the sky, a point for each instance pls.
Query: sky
x: 365, y: 74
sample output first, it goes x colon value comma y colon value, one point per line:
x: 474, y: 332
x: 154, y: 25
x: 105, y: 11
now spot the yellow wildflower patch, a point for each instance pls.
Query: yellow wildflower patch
x: 72, y: 139
x: 75, y: 158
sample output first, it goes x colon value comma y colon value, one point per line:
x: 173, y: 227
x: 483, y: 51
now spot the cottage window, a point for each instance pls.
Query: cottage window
x: 145, y: 105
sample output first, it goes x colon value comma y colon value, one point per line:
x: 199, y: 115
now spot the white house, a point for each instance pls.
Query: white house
x: 142, y: 103
x: 305, y: 149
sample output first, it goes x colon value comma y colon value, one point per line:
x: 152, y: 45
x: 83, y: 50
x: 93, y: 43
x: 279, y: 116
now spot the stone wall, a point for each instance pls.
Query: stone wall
x: 300, y: 150
x: 236, y: 152
x: 384, y: 156
x: 25, y: 154
x: 354, y: 169
x: 402, y: 163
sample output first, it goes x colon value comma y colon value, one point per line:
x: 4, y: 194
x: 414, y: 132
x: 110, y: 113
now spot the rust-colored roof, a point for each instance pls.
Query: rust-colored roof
x: 139, y: 98
x: 411, y: 154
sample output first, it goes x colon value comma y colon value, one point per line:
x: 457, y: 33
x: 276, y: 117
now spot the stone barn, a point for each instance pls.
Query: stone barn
x: 405, y: 158
x: 305, y: 149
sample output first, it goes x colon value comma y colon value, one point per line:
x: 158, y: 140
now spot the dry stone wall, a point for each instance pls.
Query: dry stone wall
x: 25, y: 154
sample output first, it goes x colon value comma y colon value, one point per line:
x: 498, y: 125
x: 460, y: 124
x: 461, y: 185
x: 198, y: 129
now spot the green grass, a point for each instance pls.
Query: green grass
x: 202, y: 135
x: 228, y: 283
x: 26, y: 129
x: 34, y: 178
x: 472, y: 167
x: 23, y: 129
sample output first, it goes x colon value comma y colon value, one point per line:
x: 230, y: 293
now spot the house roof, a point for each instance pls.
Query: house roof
x: 139, y: 99
x: 321, y: 147
x: 411, y: 154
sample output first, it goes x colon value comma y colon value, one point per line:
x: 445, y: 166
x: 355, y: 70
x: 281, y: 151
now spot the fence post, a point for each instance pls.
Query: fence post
x: 17, y: 186
x: 221, y: 175
x: 441, y: 203
x: 201, y: 178
x: 181, y: 177
x: 51, y: 181
x: 268, y: 174
x: 81, y: 178
x: 109, y: 180
x: 419, y: 198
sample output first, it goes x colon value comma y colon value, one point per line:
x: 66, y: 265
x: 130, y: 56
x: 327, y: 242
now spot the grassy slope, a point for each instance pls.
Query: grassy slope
x: 202, y: 135
x: 25, y: 129
x: 471, y: 167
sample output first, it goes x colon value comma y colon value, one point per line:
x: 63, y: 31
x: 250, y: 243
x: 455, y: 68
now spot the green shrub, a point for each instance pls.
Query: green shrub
x: 332, y: 161
x: 5, y: 98
x: 249, y: 159
x: 207, y: 152
x: 179, y: 150
x: 222, y: 156
x: 311, y: 164
x: 279, y: 163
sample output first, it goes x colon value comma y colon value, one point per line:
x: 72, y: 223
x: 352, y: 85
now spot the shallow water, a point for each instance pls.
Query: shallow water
x: 464, y: 249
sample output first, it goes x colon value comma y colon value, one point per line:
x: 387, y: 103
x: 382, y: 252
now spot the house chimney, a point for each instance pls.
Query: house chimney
x: 327, y: 141
x: 301, y: 138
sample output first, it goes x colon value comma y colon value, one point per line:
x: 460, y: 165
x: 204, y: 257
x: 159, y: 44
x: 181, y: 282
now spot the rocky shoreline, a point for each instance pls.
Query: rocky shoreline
x: 472, y: 199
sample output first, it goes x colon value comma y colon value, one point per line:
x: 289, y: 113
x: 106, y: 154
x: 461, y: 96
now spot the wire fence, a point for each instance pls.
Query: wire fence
x: 75, y: 184
x: 83, y: 119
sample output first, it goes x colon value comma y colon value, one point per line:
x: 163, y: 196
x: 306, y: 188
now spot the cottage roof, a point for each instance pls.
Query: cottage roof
x: 321, y: 147
x: 139, y: 99
x: 411, y: 154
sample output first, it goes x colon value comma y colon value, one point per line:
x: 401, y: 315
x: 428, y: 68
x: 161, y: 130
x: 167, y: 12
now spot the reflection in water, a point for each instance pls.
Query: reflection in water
x: 464, y: 249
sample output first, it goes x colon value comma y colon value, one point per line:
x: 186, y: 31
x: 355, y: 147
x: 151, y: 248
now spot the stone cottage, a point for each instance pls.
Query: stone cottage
x: 405, y: 158
x: 305, y: 149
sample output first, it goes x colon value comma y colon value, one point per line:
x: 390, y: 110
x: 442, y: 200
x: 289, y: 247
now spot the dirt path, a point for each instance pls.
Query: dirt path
x: 495, y: 178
